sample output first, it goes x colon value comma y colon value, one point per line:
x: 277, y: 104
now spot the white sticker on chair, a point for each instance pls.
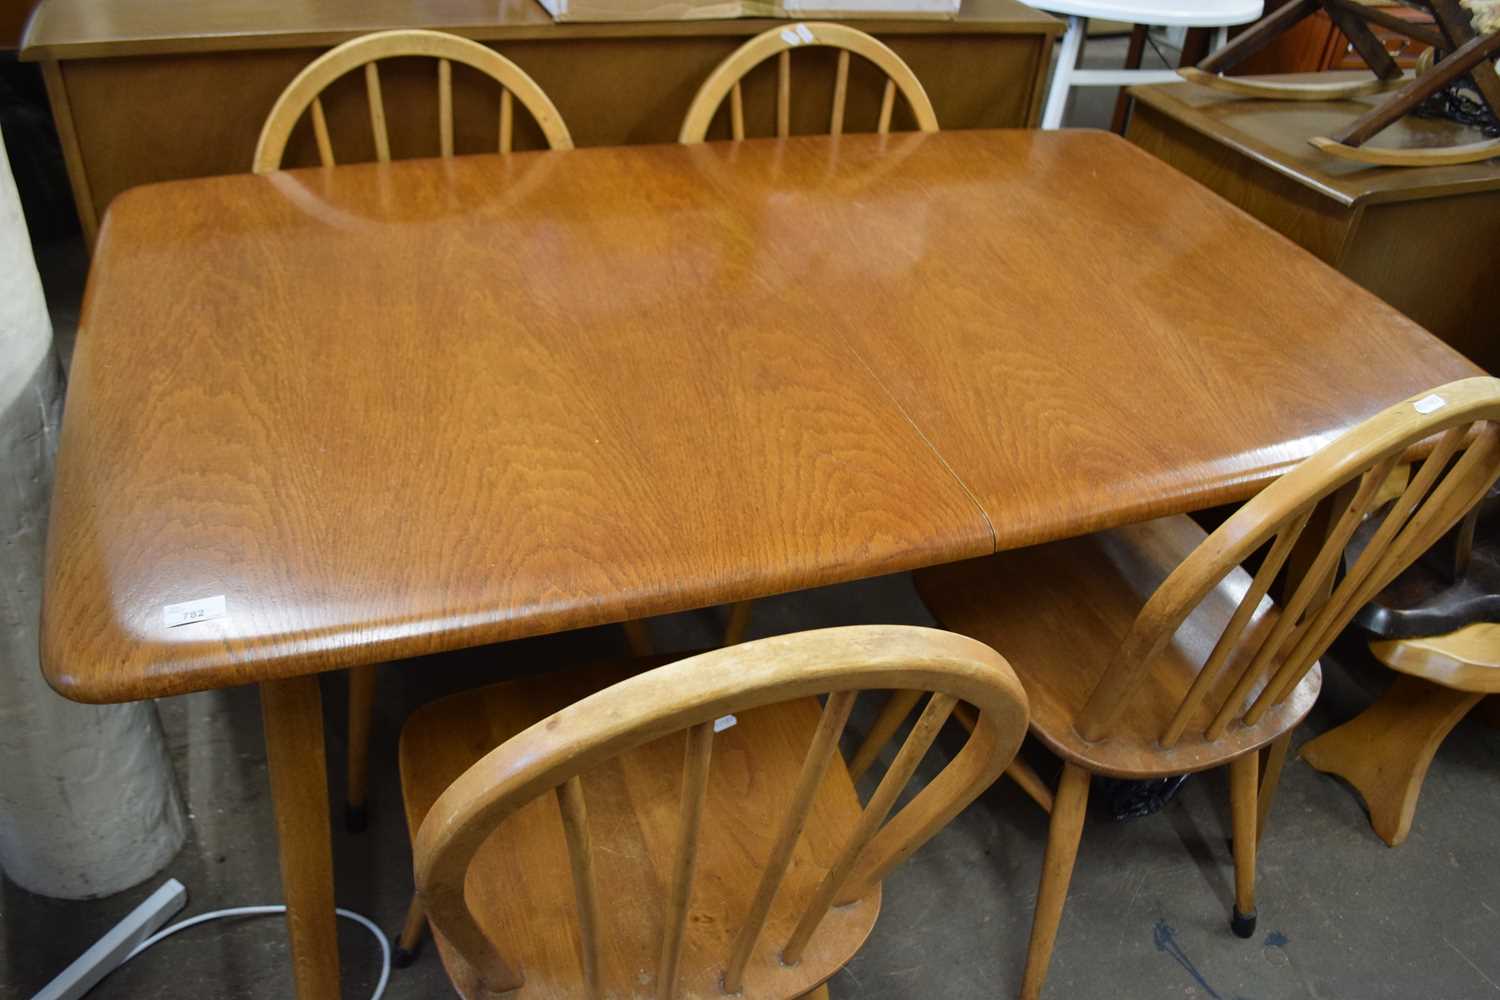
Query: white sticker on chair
x: 202, y: 610
x: 805, y: 32
x: 790, y: 37
x: 723, y: 722
x: 1430, y: 403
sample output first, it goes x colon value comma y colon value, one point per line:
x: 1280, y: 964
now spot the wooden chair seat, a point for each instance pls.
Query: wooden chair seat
x: 519, y: 886
x: 1465, y: 660
x: 1061, y: 611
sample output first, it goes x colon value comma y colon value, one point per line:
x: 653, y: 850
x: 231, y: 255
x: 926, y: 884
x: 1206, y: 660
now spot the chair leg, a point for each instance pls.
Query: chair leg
x: 410, y: 943
x: 1384, y: 752
x: 361, y: 718
x: 1133, y: 55
x: 891, y: 716
x: 638, y: 637
x: 1062, y: 77
x: 1270, y: 778
x: 739, y: 622
x: 1068, y: 809
x: 1244, y: 774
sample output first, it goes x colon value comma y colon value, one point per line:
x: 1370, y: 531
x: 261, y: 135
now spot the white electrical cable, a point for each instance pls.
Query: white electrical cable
x: 265, y: 911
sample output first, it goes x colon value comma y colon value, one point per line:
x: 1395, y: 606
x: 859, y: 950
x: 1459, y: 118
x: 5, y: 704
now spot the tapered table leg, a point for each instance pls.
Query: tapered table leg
x: 1384, y: 752
x: 293, y: 717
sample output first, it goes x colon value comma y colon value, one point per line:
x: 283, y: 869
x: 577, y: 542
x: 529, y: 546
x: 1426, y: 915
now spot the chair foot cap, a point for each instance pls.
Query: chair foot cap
x: 1243, y: 924
x: 356, y: 818
x: 402, y: 957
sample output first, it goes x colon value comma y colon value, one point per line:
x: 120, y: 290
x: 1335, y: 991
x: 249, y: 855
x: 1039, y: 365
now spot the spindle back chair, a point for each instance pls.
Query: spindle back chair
x: 305, y: 90
x: 725, y: 80
x: 1270, y: 661
x: 1147, y: 650
x: 598, y: 775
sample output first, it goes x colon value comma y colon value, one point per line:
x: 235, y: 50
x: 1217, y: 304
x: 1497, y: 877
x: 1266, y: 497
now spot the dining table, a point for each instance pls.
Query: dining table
x: 332, y: 417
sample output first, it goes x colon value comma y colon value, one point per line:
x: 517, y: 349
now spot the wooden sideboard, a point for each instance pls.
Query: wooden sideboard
x: 1422, y: 238
x: 147, y: 91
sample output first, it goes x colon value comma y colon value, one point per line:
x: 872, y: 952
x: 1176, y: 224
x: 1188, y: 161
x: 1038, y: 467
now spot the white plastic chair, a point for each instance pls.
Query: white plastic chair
x: 1219, y: 14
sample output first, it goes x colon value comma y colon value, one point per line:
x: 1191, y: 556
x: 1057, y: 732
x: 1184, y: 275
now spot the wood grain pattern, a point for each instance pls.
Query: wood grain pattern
x: 1412, y: 236
x: 1134, y: 332
x: 568, y: 400
x: 492, y: 865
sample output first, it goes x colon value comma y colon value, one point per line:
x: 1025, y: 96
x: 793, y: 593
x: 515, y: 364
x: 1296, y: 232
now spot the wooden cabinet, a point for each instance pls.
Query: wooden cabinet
x: 147, y: 91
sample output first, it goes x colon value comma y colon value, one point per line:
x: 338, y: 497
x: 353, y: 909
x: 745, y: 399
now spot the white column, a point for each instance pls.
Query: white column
x: 88, y: 803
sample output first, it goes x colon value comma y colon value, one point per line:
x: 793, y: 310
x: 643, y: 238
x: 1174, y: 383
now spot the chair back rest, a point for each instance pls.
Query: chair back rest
x: 1274, y: 651
x: 689, y: 696
x: 306, y: 89
x: 725, y: 80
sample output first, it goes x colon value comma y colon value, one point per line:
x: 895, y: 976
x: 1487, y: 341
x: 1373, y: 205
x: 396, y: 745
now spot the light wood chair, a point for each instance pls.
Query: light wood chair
x: 690, y: 830
x: 305, y: 91
x: 725, y: 80
x: 1148, y: 651
x: 1385, y: 751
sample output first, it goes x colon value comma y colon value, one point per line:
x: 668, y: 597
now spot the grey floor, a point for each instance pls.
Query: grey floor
x: 1342, y: 915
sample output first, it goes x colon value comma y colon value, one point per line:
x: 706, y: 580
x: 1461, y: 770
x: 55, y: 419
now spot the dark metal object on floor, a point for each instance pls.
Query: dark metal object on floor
x: 1124, y: 799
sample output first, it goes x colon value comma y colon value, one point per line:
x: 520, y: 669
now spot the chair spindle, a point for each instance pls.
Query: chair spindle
x: 840, y: 94
x: 700, y: 743
x: 1286, y: 540
x: 507, y: 120
x: 585, y: 890
x: 784, y: 94
x: 896, y: 709
x: 887, y: 105
x: 1324, y: 564
x: 377, y: 113
x: 320, y: 132
x: 820, y: 753
x: 1388, y: 549
x: 445, y: 106
x: 736, y: 112
x: 912, y: 751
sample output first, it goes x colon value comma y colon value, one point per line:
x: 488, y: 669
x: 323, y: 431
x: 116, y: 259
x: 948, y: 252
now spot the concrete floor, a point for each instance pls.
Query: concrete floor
x: 1342, y: 915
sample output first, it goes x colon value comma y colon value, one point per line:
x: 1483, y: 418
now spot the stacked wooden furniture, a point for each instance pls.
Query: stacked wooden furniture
x: 1422, y: 238
x: 1464, y: 48
x: 198, y: 78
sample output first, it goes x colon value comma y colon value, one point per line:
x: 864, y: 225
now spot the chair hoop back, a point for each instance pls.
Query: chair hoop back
x: 305, y: 89
x: 690, y: 695
x: 1460, y: 422
x: 724, y: 81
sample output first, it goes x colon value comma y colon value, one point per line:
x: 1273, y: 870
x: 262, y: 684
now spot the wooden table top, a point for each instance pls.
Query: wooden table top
x: 387, y: 410
x: 1275, y: 134
x: 88, y: 29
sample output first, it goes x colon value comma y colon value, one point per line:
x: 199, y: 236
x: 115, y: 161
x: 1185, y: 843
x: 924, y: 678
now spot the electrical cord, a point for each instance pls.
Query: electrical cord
x: 265, y: 911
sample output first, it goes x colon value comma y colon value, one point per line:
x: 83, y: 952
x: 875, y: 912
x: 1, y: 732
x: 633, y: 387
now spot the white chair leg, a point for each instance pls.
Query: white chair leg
x: 1062, y: 78
x: 1221, y: 38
